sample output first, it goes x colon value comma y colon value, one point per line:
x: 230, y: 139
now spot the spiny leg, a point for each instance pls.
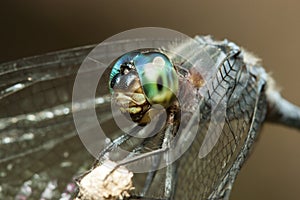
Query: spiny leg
x: 150, y: 176
x: 171, y: 167
x: 136, y: 154
x: 170, y: 180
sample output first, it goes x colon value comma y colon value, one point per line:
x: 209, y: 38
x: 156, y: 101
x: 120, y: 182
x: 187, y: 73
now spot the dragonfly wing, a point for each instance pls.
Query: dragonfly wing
x: 37, y: 130
x: 244, y: 110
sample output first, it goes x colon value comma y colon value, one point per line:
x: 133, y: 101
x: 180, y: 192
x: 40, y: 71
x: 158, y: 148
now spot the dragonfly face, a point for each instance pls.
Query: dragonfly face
x: 140, y: 79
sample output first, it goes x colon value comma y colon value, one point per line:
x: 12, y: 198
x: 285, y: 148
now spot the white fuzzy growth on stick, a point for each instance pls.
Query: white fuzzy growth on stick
x: 105, y: 183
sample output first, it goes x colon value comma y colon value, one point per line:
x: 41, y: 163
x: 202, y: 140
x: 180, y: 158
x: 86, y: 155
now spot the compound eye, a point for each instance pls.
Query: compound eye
x: 157, y: 76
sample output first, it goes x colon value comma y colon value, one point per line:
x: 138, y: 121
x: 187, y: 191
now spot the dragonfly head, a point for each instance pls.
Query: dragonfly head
x: 141, y: 79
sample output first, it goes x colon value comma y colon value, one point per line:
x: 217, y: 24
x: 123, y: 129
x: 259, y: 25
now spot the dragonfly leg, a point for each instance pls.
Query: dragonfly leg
x: 171, y: 168
x: 112, y: 145
x: 150, y: 177
x: 170, y: 182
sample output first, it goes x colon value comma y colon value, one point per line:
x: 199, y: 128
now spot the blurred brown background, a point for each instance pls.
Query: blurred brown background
x: 270, y: 28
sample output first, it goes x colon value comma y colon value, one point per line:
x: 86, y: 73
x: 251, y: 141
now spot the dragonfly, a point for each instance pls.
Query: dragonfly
x: 41, y: 153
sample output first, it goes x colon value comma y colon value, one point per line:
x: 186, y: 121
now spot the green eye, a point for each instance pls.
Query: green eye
x: 157, y: 76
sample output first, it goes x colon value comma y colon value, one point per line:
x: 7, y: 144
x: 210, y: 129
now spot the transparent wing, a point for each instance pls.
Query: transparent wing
x: 244, y: 108
x: 40, y: 152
